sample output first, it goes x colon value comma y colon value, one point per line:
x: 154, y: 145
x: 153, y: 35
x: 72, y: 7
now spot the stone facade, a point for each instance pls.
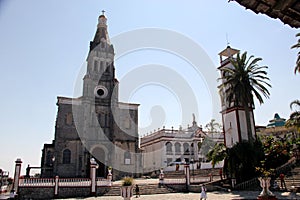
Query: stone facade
x: 96, y: 124
x: 63, y: 192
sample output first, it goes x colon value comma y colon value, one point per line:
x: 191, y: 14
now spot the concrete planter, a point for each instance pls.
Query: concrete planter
x: 265, y: 193
x: 127, y: 192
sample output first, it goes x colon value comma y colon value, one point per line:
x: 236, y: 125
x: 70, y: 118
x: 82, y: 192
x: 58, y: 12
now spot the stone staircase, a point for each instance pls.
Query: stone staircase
x: 145, y: 189
x: 195, y: 172
x: 292, y: 178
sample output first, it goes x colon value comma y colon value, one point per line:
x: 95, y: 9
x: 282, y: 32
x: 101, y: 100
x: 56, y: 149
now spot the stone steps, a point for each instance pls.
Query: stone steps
x: 145, y: 189
x: 292, y: 179
x: 196, y: 172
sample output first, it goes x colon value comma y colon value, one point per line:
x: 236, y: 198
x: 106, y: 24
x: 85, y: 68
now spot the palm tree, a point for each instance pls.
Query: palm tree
x: 297, y: 67
x: 244, y: 80
x: 217, y: 154
x: 213, y: 127
x: 294, y: 120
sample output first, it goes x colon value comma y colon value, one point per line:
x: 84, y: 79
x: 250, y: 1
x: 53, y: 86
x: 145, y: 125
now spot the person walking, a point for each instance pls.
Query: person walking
x: 137, y: 191
x: 203, y: 195
x: 282, y: 182
x: 221, y: 173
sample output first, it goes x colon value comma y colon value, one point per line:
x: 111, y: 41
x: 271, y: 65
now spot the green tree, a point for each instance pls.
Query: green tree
x: 294, y: 120
x: 217, y: 154
x: 244, y: 80
x: 296, y: 46
x: 243, y: 158
x: 276, y: 151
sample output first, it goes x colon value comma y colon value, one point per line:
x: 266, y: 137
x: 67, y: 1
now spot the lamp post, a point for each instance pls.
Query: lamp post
x: 1, y: 174
x: 192, y: 161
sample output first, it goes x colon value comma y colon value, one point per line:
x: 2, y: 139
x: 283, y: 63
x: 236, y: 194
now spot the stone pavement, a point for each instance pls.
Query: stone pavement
x: 235, y: 195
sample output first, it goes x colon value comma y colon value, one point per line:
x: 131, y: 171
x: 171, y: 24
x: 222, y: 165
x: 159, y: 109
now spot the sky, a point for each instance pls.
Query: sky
x: 44, y: 45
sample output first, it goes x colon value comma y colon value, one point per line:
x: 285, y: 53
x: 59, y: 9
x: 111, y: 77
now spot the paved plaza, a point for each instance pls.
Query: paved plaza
x: 210, y: 196
x: 235, y: 195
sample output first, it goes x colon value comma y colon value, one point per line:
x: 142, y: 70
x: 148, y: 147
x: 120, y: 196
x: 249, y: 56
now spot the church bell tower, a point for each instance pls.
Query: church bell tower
x: 95, y: 125
x: 233, y: 116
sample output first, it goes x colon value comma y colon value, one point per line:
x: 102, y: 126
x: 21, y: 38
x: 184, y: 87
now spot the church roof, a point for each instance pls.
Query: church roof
x: 288, y: 11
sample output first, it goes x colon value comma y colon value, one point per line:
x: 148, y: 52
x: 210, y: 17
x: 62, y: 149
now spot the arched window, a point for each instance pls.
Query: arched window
x: 66, y: 156
x: 177, y: 148
x: 127, y: 158
x: 95, y: 68
x: 169, y: 148
x: 69, y: 119
x: 199, y: 146
x: 49, y: 157
x: 192, y: 149
x: 186, y: 148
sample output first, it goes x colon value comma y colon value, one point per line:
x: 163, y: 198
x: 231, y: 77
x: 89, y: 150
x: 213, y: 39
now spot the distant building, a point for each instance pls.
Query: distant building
x: 276, y: 122
x: 275, y: 127
x: 95, y: 125
x: 167, y: 147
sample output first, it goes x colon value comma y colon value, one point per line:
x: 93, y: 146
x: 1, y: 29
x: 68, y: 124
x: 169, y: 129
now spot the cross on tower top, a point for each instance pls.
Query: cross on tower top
x: 103, y: 11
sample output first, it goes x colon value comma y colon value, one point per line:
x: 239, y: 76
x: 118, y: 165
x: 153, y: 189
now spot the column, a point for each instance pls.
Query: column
x: 17, y: 174
x: 109, y: 176
x: 56, y: 187
x: 93, y: 166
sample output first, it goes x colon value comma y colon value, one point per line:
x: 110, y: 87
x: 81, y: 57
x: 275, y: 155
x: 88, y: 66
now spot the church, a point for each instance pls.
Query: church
x: 95, y: 125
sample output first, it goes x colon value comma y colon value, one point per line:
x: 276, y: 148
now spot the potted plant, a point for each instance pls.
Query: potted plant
x: 264, y: 179
x: 127, y: 188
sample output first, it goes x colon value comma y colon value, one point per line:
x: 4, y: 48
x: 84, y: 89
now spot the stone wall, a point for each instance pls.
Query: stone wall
x: 63, y: 192
x: 36, y: 192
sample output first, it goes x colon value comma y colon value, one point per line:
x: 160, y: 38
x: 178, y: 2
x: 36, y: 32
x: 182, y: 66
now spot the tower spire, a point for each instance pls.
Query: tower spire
x: 101, y: 33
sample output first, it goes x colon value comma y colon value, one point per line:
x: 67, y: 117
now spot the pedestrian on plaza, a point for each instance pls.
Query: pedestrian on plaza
x: 137, y: 191
x: 221, y: 173
x: 203, y: 195
x: 282, y: 182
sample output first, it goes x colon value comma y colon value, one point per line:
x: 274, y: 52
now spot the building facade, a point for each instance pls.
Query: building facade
x: 167, y: 147
x: 95, y: 125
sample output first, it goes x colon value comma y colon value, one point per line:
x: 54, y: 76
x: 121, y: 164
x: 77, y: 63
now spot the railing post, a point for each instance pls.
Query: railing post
x: 161, y: 177
x: 187, y: 175
x: 17, y: 175
x: 56, y: 186
x: 109, y: 176
x: 93, y: 166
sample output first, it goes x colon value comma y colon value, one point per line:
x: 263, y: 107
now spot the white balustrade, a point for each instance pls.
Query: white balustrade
x: 102, y: 182
x: 200, y: 179
x: 36, y: 182
x: 62, y: 182
x: 174, y: 181
x: 74, y: 182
